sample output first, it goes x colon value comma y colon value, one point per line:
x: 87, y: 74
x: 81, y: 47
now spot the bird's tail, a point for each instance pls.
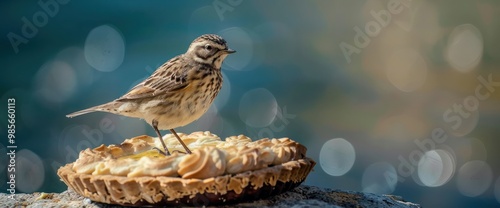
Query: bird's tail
x: 104, y: 108
x: 88, y: 110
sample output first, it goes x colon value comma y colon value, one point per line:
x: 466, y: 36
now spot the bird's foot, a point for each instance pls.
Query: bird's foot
x: 161, y: 151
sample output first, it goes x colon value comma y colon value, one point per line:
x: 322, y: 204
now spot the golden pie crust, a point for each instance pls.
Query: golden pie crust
x: 217, y: 171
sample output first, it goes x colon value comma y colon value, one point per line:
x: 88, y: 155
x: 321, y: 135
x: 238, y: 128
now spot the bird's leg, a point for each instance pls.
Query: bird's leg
x: 155, y: 127
x: 178, y: 138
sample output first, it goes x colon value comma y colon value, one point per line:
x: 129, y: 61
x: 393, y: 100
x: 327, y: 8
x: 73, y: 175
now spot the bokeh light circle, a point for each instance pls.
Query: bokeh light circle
x: 406, y: 70
x: 464, y: 49
x: 474, y: 149
x: 379, y: 178
x: 258, y: 108
x: 337, y: 157
x: 436, y: 168
x: 497, y: 190
x: 74, y: 56
x: 55, y: 82
x: 474, y: 178
x: 104, y: 48
x: 239, y: 40
x: 30, y: 172
x: 467, y: 125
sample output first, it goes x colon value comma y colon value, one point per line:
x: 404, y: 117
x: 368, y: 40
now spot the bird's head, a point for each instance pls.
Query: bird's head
x: 209, y: 49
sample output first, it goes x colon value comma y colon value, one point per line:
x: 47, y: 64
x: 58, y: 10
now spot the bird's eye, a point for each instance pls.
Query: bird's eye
x: 208, y: 47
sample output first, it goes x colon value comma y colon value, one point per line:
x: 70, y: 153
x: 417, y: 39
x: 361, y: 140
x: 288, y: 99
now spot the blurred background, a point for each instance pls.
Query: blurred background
x: 391, y: 97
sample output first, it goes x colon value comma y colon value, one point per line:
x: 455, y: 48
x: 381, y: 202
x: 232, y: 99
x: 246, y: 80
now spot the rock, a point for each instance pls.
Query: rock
x: 310, y: 196
x: 302, y: 196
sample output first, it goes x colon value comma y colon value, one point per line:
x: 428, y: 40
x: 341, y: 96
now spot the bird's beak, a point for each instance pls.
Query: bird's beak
x: 230, y: 50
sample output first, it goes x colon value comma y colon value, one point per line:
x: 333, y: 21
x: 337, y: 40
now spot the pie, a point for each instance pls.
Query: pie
x: 217, y: 171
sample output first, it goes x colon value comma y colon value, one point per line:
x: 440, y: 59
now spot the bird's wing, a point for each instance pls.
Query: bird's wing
x: 168, y: 78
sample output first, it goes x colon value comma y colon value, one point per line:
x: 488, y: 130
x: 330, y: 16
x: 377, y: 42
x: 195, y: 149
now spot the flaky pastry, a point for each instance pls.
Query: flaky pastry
x: 217, y: 171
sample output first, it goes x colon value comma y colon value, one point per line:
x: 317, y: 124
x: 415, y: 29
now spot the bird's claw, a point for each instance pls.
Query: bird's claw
x: 161, y: 151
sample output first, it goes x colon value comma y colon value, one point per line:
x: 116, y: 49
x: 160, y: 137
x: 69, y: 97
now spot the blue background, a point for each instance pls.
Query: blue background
x: 367, y: 116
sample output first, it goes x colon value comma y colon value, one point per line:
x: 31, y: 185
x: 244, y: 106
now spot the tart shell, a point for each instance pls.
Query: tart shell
x: 162, y: 190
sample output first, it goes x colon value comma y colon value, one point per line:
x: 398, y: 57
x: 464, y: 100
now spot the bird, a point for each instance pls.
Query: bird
x: 178, y: 92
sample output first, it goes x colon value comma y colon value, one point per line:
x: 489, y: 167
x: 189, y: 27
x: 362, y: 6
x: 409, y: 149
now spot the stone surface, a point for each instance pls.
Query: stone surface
x: 302, y: 196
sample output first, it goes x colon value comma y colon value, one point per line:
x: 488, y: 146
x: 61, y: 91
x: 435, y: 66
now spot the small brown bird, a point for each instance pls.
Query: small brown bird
x: 178, y: 92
